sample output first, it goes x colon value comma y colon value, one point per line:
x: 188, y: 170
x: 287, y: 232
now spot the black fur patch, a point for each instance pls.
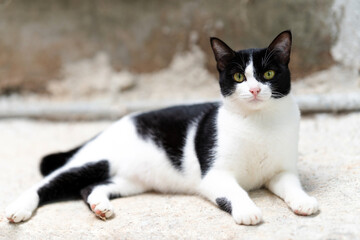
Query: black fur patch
x: 168, y: 127
x: 224, y: 204
x: 281, y: 83
x: 236, y: 64
x: 68, y: 184
x: 115, y: 195
x: 53, y: 161
x: 205, y: 140
x: 85, y: 192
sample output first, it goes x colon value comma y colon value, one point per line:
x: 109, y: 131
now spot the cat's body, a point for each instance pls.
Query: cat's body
x: 217, y: 150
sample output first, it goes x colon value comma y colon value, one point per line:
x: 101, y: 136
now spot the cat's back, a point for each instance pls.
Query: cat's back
x: 180, y: 115
x: 168, y: 128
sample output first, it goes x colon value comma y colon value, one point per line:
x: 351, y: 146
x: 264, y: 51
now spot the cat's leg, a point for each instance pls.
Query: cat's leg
x: 222, y: 189
x: 62, y: 183
x: 22, y: 208
x: 287, y: 186
x: 98, y: 195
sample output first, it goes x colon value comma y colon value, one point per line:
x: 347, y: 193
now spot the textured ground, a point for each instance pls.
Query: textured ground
x: 329, y: 165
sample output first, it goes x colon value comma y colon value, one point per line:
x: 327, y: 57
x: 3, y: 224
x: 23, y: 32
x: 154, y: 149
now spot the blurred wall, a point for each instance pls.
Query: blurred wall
x: 38, y: 37
x: 346, y: 49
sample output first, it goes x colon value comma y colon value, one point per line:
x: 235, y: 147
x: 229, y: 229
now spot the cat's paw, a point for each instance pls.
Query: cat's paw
x: 303, y: 206
x: 103, y: 210
x: 247, y: 215
x: 22, y: 209
x: 101, y: 207
x: 17, y: 214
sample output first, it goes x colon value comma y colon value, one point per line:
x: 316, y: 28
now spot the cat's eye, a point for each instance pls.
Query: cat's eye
x: 239, y: 77
x: 269, y: 74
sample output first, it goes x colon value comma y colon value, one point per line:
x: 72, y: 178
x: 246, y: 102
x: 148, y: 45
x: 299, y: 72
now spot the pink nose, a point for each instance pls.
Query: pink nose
x: 255, y: 91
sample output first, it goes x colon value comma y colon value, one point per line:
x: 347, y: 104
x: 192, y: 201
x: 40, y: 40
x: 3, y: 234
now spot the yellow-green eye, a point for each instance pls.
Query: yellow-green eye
x: 269, y: 74
x: 239, y: 77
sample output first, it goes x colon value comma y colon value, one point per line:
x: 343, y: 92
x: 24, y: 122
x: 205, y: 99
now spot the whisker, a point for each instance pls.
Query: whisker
x: 238, y: 65
x: 243, y: 60
x: 268, y: 56
x: 277, y: 94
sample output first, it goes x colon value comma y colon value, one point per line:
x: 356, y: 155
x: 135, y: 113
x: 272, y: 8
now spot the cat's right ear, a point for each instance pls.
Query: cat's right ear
x: 223, y: 53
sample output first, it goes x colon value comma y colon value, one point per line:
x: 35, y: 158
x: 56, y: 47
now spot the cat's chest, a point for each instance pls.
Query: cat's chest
x: 248, y: 146
x: 252, y: 148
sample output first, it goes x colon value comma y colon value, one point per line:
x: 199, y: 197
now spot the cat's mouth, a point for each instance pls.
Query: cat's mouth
x: 258, y: 99
x: 255, y: 100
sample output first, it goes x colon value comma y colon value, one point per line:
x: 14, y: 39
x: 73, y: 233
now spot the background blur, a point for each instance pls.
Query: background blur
x: 71, y: 60
x: 122, y: 52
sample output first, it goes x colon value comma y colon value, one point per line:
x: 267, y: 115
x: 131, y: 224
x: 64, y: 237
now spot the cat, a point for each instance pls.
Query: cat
x: 218, y: 150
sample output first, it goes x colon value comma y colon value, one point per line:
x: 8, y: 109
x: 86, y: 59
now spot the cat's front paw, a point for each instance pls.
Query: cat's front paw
x: 102, y: 210
x: 247, y: 215
x: 18, y: 211
x: 303, y: 206
x: 15, y: 213
x: 101, y: 207
x: 22, y: 209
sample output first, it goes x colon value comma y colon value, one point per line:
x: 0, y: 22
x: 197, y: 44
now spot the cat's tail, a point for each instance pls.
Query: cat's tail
x: 53, y: 161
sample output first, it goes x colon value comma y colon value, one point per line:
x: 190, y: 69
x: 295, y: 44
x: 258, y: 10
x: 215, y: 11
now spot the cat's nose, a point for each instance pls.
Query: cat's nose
x: 255, y: 91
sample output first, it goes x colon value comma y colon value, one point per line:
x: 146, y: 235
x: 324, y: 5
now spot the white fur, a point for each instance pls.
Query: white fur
x: 287, y: 186
x: 22, y: 208
x: 257, y: 146
x: 99, y: 197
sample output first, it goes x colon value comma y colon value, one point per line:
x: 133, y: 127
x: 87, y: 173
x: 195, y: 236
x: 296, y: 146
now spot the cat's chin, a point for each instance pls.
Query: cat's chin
x: 245, y: 105
x: 255, y: 101
x: 255, y: 104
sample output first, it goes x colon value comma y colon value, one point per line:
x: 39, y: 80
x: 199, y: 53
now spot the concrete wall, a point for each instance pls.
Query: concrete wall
x: 346, y: 49
x: 37, y: 38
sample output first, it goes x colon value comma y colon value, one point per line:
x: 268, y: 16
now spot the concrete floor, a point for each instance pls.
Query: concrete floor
x: 329, y: 165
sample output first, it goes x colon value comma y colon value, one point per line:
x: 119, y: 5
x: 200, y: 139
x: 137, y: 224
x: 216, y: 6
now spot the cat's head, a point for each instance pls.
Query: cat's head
x: 251, y: 78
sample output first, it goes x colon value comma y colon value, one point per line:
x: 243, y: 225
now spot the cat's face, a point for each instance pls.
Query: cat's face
x: 250, y: 78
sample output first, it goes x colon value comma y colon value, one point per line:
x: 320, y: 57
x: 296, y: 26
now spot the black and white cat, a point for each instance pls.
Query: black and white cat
x: 217, y: 150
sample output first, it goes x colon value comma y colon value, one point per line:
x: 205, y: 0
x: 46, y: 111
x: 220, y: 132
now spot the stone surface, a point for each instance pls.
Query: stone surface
x: 329, y: 166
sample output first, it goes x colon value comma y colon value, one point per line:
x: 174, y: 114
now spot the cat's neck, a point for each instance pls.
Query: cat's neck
x: 271, y: 108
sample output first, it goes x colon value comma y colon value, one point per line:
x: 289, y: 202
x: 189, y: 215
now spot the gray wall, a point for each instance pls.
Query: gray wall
x: 38, y: 37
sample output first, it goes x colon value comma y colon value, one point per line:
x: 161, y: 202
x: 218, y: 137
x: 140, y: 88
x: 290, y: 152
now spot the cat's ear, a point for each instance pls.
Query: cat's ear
x: 282, y: 46
x: 223, y: 53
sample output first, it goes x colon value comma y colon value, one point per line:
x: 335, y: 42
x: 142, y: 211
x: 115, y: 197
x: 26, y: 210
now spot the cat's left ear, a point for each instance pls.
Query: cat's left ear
x: 282, y: 46
x: 223, y: 53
